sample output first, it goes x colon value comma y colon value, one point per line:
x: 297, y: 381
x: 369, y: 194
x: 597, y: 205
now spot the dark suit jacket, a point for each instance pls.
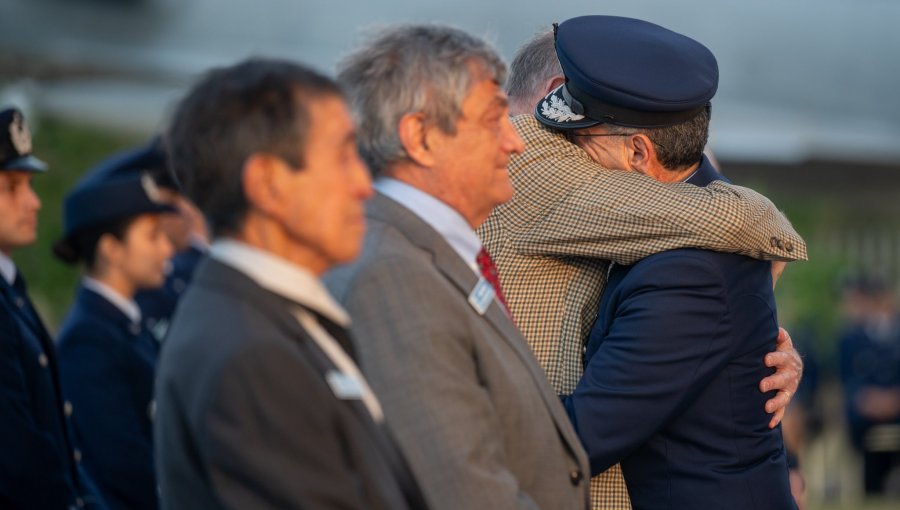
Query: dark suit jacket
x: 466, y: 399
x: 37, y: 464
x: 106, y: 364
x: 246, y: 419
x: 671, y: 379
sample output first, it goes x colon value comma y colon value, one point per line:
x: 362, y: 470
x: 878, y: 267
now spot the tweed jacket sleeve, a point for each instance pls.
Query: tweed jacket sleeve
x: 577, y: 208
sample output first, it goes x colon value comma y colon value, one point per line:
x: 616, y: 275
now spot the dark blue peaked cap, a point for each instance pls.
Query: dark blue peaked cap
x: 148, y: 158
x: 109, y: 192
x: 15, y: 144
x: 627, y: 72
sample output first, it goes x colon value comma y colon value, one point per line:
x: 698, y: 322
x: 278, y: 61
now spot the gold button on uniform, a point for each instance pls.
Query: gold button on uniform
x: 67, y: 408
x: 42, y: 360
x: 76, y: 454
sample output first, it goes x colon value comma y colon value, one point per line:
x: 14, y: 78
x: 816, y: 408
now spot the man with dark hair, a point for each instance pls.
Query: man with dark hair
x: 673, y: 363
x: 260, y: 403
x: 570, y: 216
x: 39, y: 464
x: 466, y: 399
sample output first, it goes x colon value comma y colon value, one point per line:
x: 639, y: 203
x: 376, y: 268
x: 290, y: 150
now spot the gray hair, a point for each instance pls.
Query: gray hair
x: 534, y: 63
x: 412, y: 68
x: 677, y: 146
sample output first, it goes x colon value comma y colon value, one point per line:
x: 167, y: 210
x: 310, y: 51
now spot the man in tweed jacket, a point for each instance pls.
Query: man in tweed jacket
x: 570, y: 217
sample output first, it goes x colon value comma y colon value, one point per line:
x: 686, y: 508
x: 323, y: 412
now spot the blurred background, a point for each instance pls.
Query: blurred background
x: 807, y: 112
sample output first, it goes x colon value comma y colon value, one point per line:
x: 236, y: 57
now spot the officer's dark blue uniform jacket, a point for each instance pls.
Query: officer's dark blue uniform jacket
x: 38, y: 469
x: 107, y: 365
x: 670, y: 387
x: 867, y: 362
x: 158, y: 305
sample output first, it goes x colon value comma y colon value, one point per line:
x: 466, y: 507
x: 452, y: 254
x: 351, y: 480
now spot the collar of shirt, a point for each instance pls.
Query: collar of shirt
x: 440, y: 216
x: 686, y: 179
x: 7, y: 268
x: 127, y: 306
x: 279, y: 276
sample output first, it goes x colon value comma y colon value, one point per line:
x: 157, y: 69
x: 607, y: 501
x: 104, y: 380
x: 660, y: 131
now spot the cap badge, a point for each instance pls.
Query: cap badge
x: 150, y: 188
x: 557, y: 109
x: 19, y: 134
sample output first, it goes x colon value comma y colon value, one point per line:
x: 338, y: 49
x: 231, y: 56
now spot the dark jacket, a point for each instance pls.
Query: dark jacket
x: 38, y: 468
x: 247, y: 419
x: 107, y: 365
x: 670, y: 387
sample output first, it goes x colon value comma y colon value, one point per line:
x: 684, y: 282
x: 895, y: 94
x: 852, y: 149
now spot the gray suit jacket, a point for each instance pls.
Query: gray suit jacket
x: 245, y: 418
x: 463, y: 394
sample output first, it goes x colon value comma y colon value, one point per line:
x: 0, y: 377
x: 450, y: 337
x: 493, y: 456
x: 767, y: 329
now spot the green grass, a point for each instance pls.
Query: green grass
x: 70, y: 150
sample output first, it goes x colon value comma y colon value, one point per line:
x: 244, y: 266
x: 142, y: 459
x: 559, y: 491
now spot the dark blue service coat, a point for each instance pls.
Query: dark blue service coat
x: 670, y: 387
x: 107, y: 365
x: 38, y: 466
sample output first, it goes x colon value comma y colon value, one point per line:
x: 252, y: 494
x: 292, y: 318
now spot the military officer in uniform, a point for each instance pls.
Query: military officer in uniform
x: 186, y: 231
x: 112, y: 225
x: 38, y: 462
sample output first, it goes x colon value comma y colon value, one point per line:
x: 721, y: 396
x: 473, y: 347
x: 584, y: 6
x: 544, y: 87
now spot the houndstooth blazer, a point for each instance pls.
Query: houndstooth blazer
x: 569, y: 217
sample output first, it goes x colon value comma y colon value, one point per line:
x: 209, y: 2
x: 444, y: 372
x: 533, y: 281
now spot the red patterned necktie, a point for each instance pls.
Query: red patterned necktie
x: 489, y: 272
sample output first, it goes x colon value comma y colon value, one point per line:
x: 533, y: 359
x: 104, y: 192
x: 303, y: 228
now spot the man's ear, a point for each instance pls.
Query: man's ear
x: 553, y: 83
x: 413, y: 131
x: 641, y: 153
x: 262, y: 181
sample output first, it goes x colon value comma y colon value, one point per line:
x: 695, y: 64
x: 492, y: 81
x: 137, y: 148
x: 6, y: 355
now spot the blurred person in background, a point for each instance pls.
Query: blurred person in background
x: 39, y: 467
x: 112, y: 224
x: 186, y: 230
x: 870, y: 373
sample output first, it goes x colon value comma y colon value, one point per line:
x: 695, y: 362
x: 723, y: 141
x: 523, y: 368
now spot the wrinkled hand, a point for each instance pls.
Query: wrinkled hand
x: 788, y: 371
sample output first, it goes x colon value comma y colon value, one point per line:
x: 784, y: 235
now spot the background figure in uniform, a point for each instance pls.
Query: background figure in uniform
x: 38, y: 466
x: 464, y: 396
x: 674, y: 361
x: 570, y: 216
x: 107, y: 358
x: 185, y: 229
x: 260, y: 402
x: 870, y: 373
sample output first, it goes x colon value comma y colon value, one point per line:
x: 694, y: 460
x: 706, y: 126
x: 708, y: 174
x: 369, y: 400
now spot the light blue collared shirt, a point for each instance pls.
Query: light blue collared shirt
x: 127, y: 306
x: 7, y: 268
x: 440, y: 216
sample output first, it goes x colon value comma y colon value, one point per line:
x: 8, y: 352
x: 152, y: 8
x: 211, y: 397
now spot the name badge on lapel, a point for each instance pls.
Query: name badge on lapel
x: 481, y: 296
x: 344, y: 386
